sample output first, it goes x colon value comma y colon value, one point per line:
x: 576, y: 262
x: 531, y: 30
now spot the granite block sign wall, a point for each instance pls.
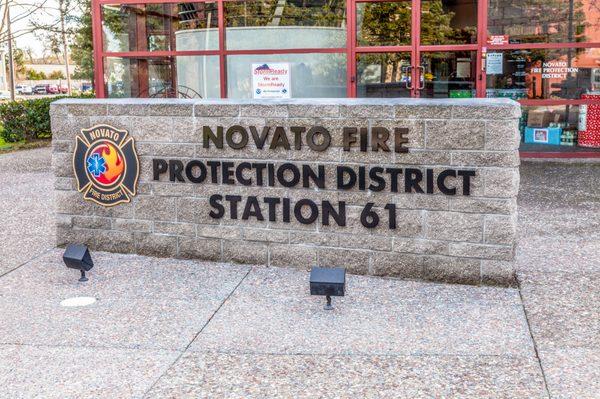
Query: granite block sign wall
x: 406, y: 188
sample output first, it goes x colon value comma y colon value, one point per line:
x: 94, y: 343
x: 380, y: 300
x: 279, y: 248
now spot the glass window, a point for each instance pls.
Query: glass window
x: 272, y: 24
x: 311, y: 75
x: 383, y: 24
x: 160, y: 27
x: 559, y: 128
x: 448, y: 74
x: 183, y: 77
x: 543, y: 73
x: 383, y: 75
x: 534, y: 21
x: 448, y: 22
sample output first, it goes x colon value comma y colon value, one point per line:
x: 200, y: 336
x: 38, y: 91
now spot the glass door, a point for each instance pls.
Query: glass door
x: 447, y: 74
x: 384, y: 75
x: 415, y: 48
x: 383, y: 51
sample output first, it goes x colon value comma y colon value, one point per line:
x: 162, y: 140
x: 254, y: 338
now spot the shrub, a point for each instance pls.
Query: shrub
x: 26, y: 120
x: 31, y: 74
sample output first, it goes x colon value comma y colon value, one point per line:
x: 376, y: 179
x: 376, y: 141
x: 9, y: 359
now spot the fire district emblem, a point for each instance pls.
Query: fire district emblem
x: 106, y: 165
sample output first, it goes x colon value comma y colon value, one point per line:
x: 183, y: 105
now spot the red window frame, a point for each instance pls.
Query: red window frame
x: 481, y: 47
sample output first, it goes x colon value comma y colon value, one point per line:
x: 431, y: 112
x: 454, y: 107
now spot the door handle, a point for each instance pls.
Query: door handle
x: 421, y: 77
x: 409, y: 79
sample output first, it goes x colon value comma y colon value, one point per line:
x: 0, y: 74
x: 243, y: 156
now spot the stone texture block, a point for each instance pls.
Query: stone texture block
x: 471, y: 111
x: 455, y: 134
x: 420, y: 246
x: 296, y: 256
x: 120, y: 122
x: 315, y: 238
x: 62, y: 164
x: 199, y: 248
x: 224, y: 232
x: 488, y: 159
x: 318, y: 111
x: 91, y: 222
x: 144, y: 226
x: 264, y: 110
x: 367, y: 111
x: 397, y: 265
x: 86, y: 109
x: 155, y: 208
x: 500, y: 229
x: 176, y: 229
x: 502, y: 183
x: 183, y: 130
x: 65, y: 183
x: 356, y: 262
x: 255, y: 253
x: 366, y: 241
x: 66, y: 128
x: 451, y: 270
x: 216, y: 109
x: 152, y: 107
x: 266, y: 235
x: 161, y: 246
x: 502, y: 135
x: 483, y: 205
x: 454, y: 226
x: 423, y: 111
x: 62, y: 146
x: 497, y: 272
x: 194, y: 210
x: 152, y: 128
x: 482, y: 251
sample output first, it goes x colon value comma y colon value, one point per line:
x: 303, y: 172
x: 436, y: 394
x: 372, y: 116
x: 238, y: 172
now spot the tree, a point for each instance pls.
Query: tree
x: 56, y: 75
x: 19, y: 60
x: 60, y: 31
x: 82, y: 50
x: 21, y: 10
x: 31, y: 74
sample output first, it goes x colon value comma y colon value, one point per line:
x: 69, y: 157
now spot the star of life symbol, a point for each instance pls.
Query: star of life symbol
x: 96, y: 165
x: 106, y: 165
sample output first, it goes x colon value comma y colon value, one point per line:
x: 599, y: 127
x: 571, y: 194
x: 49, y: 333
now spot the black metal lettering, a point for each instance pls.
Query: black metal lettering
x: 159, y: 166
x: 175, y: 169
x: 314, y: 211
x: 252, y: 209
x: 329, y: 211
x: 215, y: 202
x: 189, y: 171
x: 412, y: 180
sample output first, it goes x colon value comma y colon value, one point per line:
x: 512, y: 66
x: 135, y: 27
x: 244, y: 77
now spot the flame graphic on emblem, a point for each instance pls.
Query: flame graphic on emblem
x: 114, y: 163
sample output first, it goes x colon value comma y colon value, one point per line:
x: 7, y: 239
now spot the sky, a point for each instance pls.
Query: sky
x: 43, y: 16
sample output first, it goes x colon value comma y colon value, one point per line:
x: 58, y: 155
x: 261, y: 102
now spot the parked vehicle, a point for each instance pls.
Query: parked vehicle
x: 52, y: 89
x: 4, y: 95
x: 40, y: 89
x: 63, y: 89
x: 23, y: 89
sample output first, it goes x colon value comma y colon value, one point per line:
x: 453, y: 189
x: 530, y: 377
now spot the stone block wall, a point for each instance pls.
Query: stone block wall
x: 449, y: 238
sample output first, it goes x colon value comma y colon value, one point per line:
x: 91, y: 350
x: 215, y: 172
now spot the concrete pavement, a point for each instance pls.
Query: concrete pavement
x: 163, y: 328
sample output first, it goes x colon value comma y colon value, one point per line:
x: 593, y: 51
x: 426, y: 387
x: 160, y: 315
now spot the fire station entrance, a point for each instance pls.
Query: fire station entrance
x: 416, y: 49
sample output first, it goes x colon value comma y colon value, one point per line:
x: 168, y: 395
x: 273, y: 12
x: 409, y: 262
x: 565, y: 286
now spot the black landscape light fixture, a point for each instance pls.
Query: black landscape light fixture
x: 329, y: 282
x: 78, y: 256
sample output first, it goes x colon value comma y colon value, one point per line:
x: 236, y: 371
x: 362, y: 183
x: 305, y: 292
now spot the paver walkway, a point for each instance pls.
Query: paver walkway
x: 175, y: 329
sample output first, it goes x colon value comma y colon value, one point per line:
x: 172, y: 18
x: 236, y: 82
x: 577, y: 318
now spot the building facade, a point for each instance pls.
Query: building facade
x: 544, y: 54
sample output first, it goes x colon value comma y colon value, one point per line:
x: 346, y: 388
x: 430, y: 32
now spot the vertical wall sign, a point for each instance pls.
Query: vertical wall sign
x: 106, y: 165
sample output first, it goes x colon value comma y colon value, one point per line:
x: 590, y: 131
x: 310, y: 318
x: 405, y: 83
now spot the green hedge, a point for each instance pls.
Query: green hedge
x: 27, y: 119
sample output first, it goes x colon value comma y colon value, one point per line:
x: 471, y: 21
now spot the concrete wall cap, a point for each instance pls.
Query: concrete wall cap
x: 491, y: 102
